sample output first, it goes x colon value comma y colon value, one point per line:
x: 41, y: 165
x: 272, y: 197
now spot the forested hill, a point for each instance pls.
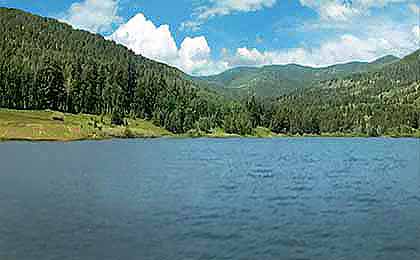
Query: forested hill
x: 46, y: 64
x: 373, y: 103
x: 276, y: 80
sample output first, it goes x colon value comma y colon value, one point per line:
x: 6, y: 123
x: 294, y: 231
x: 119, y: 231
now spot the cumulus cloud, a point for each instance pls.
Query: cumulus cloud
x: 381, y: 35
x: 222, y: 8
x: 344, y: 49
x: 193, y: 56
x: 343, y: 10
x: 98, y: 16
x: 143, y: 37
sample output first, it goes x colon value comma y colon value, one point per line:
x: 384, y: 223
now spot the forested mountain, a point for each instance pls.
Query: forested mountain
x: 372, y: 103
x: 46, y: 64
x: 276, y: 80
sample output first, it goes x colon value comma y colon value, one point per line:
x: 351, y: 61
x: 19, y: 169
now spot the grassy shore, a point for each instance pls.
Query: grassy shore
x: 54, y: 126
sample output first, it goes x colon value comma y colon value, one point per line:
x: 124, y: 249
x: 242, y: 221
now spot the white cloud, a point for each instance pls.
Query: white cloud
x: 381, y: 35
x: 343, y: 10
x: 416, y: 32
x: 190, y: 25
x: 337, y: 11
x: 226, y: 7
x: 414, y: 8
x: 143, y: 37
x: 249, y: 57
x: 345, y: 48
x: 193, y: 56
x: 222, y: 8
x: 96, y: 16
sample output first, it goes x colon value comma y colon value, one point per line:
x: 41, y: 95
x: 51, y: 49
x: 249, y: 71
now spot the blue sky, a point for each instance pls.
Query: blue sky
x: 204, y: 37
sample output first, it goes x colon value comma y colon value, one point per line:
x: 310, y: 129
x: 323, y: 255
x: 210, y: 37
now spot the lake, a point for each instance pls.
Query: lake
x: 297, y: 198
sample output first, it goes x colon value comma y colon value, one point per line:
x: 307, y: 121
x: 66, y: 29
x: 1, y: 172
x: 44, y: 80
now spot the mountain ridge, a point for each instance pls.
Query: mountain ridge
x: 47, y: 65
x: 277, y: 80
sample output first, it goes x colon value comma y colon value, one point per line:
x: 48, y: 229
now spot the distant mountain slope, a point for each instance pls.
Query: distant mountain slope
x: 376, y: 102
x: 392, y: 77
x: 276, y: 80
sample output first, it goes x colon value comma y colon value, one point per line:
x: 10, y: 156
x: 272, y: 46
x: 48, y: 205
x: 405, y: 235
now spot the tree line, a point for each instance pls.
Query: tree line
x: 45, y: 64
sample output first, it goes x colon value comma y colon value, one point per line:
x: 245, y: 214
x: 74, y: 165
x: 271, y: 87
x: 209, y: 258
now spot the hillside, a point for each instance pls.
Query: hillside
x: 277, y: 80
x: 391, y: 82
x: 386, y: 101
x: 46, y: 64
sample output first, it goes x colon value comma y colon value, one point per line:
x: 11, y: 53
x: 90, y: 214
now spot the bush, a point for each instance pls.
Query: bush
x: 58, y: 116
x: 117, y: 118
x: 128, y: 133
x: 204, y: 124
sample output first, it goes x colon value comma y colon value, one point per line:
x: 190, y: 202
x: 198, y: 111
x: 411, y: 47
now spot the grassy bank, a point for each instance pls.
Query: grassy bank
x: 53, y: 126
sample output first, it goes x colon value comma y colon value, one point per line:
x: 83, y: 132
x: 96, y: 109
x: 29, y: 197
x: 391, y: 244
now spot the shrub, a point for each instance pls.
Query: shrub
x: 57, y: 116
x: 117, y: 118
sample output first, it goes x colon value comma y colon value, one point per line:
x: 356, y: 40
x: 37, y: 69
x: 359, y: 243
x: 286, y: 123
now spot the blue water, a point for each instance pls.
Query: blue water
x: 211, y: 199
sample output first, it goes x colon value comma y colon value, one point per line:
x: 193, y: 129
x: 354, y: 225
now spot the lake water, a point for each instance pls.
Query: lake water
x: 314, y: 198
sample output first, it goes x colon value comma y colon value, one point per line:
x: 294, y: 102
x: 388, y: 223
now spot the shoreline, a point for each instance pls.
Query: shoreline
x: 183, y: 136
x: 51, y: 126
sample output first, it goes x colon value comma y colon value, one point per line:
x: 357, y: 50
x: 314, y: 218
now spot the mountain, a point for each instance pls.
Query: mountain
x: 277, y: 80
x: 391, y: 78
x: 46, y: 64
x: 384, y: 101
x: 385, y: 60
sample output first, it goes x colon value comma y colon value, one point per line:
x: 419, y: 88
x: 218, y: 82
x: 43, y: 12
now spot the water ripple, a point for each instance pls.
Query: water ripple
x: 205, y: 199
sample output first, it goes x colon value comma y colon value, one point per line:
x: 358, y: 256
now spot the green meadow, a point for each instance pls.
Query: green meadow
x: 55, y: 126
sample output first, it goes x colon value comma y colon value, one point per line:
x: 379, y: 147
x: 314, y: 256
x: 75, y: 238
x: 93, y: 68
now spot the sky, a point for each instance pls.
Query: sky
x: 204, y: 37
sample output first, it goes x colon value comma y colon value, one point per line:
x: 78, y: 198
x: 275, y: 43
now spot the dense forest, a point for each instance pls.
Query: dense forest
x: 373, y: 103
x: 45, y: 64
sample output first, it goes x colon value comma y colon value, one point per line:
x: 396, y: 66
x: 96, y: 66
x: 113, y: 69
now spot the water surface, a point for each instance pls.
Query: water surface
x: 211, y: 199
